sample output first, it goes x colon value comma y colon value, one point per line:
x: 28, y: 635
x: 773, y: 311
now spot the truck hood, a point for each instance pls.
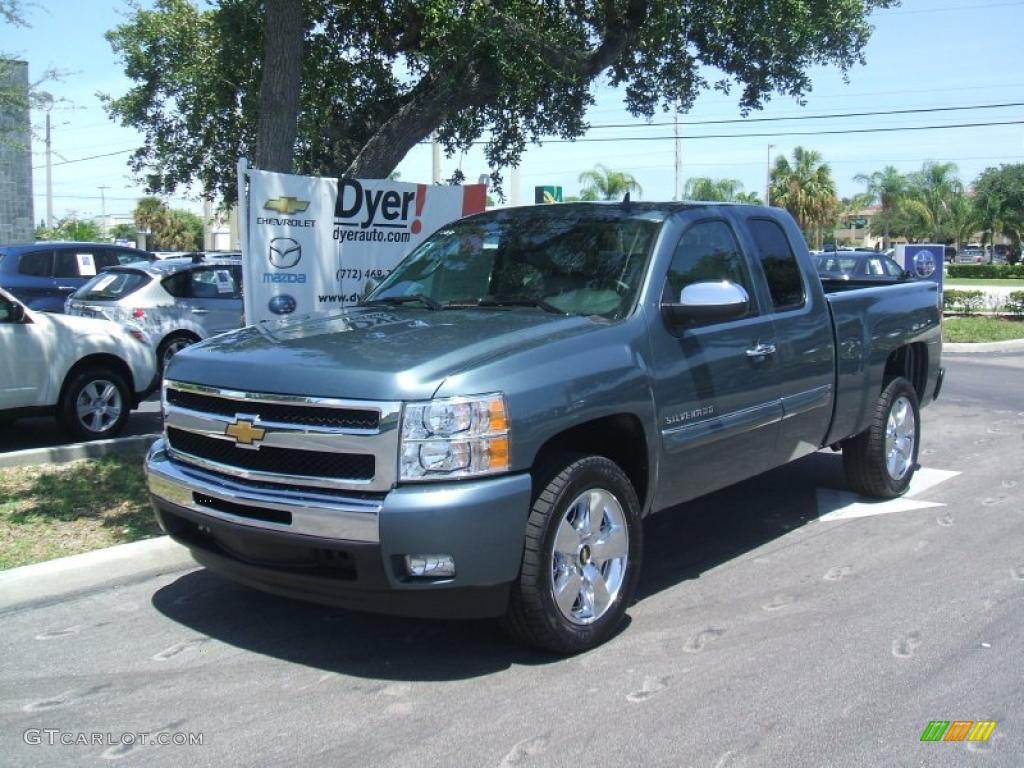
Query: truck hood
x: 369, y: 353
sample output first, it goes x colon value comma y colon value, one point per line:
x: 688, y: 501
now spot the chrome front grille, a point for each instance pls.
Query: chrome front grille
x: 283, y: 439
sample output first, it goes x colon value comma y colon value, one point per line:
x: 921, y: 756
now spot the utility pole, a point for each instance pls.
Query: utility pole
x: 768, y: 178
x: 49, y: 175
x: 435, y: 147
x: 676, y: 194
x: 103, y: 212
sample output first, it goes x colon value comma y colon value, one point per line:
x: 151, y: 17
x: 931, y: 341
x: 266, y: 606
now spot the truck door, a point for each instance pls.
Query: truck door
x: 806, y: 349
x: 717, y: 384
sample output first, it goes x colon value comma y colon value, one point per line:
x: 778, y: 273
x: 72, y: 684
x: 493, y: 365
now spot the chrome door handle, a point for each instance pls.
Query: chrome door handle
x: 761, y: 350
x: 200, y: 311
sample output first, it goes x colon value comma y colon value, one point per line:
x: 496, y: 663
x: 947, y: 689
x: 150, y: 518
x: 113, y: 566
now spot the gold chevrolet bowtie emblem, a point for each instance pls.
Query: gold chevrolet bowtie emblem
x: 286, y: 205
x: 245, y: 432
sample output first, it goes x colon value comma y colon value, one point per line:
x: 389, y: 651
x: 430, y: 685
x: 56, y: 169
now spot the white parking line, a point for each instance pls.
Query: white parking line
x: 843, y: 505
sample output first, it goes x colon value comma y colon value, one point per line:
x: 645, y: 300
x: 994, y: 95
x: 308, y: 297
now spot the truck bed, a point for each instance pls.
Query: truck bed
x: 871, y: 320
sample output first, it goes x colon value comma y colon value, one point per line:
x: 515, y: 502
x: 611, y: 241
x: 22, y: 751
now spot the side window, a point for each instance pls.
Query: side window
x: 781, y: 270
x: 708, y: 251
x: 127, y: 257
x: 177, y: 285
x: 212, y: 283
x: 75, y: 263
x: 36, y: 264
x: 5, y: 310
x: 106, y: 258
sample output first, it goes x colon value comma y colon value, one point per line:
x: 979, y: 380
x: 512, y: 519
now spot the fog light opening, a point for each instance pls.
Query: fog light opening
x: 430, y: 566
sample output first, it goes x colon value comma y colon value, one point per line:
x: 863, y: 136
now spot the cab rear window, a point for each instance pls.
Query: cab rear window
x: 113, y: 285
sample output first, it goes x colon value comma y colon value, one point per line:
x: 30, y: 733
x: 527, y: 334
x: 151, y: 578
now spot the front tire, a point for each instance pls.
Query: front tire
x: 581, y: 559
x: 880, y: 462
x: 95, y: 404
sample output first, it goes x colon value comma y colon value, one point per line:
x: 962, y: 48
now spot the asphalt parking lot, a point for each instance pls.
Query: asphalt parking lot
x: 44, y: 432
x: 779, y: 622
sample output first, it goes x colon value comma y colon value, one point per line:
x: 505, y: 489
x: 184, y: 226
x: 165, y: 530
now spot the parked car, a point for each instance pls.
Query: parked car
x: 43, y: 275
x: 857, y: 265
x: 90, y: 373
x: 485, y: 433
x: 176, y: 301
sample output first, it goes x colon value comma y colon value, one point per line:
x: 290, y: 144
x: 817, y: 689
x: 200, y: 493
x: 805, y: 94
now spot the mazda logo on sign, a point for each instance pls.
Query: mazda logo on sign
x: 284, y: 252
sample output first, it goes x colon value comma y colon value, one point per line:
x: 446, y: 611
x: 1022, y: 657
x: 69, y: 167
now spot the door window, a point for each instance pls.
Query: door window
x: 708, y: 252
x: 36, y: 264
x: 781, y: 271
x: 213, y: 283
x: 75, y: 263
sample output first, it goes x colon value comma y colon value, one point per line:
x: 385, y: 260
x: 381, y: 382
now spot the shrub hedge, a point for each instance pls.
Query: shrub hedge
x: 986, y: 271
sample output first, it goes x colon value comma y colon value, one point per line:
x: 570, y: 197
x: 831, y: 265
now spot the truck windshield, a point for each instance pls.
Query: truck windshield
x: 576, y: 260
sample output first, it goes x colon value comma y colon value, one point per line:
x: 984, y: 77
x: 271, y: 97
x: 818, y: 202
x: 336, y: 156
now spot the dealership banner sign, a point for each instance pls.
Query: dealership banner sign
x: 316, y: 244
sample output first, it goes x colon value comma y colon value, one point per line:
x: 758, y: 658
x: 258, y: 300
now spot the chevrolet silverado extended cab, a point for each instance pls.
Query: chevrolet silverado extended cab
x: 485, y: 433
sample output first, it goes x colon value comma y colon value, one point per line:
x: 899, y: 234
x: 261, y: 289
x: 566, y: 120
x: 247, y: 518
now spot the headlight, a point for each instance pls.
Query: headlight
x: 454, y: 437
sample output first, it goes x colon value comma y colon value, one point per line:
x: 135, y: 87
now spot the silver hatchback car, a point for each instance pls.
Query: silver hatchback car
x: 176, y: 301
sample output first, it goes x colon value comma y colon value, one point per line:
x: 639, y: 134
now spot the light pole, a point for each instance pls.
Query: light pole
x: 768, y: 178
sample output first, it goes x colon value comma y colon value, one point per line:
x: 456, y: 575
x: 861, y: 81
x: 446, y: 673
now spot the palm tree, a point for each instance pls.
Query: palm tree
x: 717, y: 190
x: 807, y: 190
x: 936, y: 187
x: 886, y: 188
x: 605, y: 184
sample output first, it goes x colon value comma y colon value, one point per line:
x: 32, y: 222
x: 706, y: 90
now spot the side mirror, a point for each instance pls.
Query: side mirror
x: 707, y: 302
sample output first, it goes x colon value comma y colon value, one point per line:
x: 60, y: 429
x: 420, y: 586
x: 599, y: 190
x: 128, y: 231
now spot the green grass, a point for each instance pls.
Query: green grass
x: 969, y: 282
x: 52, y: 511
x: 978, y: 329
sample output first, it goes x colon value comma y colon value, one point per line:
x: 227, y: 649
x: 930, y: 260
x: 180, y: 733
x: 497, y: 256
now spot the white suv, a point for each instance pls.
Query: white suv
x: 89, y: 373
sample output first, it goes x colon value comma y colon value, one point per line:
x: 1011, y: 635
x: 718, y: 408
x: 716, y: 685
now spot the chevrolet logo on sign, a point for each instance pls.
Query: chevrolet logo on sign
x: 286, y: 205
x: 245, y: 433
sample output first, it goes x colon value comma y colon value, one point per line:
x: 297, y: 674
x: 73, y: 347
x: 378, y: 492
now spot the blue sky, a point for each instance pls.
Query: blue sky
x: 925, y: 54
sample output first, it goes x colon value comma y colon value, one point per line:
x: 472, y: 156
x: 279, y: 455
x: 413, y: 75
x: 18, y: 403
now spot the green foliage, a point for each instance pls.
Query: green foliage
x: 963, y: 302
x: 987, y: 271
x: 999, y: 198
x: 605, y: 184
x: 70, y: 229
x: 171, y: 230
x: 718, y: 190
x: 807, y: 190
x: 123, y: 232
x: 1015, y: 304
x: 379, y: 77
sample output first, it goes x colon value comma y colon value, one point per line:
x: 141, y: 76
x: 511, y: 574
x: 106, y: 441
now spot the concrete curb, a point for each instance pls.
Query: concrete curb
x: 59, y: 579
x: 119, y: 445
x: 1012, y: 345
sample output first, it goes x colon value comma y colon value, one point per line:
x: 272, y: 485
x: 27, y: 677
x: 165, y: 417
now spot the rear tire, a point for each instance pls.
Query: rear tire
x: 95, y: 404
x: 171, y: 346
x: 581, y: 558
x: 880, y: 462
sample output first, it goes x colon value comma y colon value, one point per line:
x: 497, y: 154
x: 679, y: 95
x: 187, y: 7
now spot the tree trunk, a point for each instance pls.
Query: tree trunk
x: 283, y: 35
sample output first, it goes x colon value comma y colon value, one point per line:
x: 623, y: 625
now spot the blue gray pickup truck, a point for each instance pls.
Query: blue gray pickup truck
x: 484, y: 434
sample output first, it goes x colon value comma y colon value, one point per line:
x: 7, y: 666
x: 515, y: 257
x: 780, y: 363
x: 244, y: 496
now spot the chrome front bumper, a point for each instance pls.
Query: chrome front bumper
x: 327, y: 515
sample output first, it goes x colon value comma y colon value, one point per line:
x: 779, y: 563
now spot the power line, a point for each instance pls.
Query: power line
x: 779, y: 133
x: 913, y: 111
x: 972, y: 7
x: 83, y: 159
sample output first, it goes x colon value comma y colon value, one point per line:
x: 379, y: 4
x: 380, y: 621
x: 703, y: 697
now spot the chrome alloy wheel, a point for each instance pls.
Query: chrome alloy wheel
x: 589, y: 556
x: 899, y: 439
x: 99, y: 405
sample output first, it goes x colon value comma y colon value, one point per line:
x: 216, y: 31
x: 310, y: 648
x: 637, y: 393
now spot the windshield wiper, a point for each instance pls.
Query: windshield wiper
x: 422, y: 298
x: 519, y: 301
